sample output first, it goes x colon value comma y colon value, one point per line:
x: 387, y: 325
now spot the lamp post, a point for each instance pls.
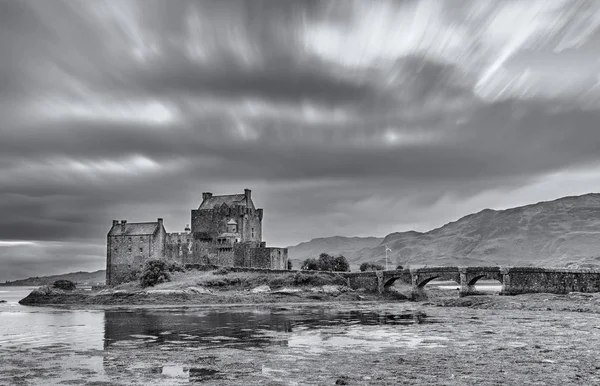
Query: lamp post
x: 386, y: 256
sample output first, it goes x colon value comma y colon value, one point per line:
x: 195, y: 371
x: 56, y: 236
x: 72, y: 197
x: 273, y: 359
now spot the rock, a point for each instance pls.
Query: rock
x: 287, y: 291
x: 42, y: 291
x: 331, y: 289
x: 165, y: 292
x: 199, y: 290
x: 261, y: 289
x: 341, y: 381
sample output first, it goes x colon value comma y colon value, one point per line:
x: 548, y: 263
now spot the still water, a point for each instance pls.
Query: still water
x: 223, y: 345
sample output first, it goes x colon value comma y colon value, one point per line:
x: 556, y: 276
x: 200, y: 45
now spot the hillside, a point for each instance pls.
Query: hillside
x: 563, y: 232
x: 347, y: 246
x: 81, y: 278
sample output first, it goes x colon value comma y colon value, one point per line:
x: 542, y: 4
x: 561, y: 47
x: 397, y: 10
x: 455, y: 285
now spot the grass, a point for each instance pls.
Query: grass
x: 222, y: 279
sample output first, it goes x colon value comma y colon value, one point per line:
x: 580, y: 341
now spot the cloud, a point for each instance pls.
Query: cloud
x: 364, y: 117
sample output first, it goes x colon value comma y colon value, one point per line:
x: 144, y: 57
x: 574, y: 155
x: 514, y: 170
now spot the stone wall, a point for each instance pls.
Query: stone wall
x: 367, y: 280
x: 179, y: 247
x: 209, y: 223
x: 279, y: 257
x: 126, y: 256
x: 518, y: 280
x: 515, y: 280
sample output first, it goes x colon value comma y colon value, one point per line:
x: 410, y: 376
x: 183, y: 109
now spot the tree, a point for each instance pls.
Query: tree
x: 326, y: 262
x: 310, y: 264
x: 399, y: 267
x: 66, y: 285
x: 158, y: 271
x: 341, y: 264
x: 370, y: 267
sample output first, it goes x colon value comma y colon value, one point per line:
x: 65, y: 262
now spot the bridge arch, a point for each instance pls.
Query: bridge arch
x: 473, y: 280
x: 389, y: 278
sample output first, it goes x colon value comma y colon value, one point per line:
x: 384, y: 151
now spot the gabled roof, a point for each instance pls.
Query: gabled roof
x: 134, y: 229
x: 230, y: 200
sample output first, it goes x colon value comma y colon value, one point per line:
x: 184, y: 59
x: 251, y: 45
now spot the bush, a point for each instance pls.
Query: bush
x: 158, y: 271
x: 327, y: 262
x: 66, y: 285
x: 371, y: 267
x: 222, y: 271
x: 399, y: 268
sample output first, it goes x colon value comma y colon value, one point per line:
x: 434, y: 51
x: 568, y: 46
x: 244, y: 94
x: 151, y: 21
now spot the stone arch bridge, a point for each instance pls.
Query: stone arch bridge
x: 515, y: 280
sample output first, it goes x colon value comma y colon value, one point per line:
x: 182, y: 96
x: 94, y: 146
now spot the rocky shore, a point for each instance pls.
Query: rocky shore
x: 194, y: 295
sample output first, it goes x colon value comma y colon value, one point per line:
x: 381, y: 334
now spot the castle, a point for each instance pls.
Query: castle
x: 226, y: 230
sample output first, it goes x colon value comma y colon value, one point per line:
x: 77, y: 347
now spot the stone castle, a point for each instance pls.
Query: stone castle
x: 226, y: 230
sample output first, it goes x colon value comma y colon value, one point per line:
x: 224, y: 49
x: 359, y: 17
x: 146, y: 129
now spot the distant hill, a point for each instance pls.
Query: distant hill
x: 81, y: 278
x: 347, y: 246
x: 559, y: 233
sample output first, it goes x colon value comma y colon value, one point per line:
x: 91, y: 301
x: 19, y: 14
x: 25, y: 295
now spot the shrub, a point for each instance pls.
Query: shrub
x: 327, y: 262
x: 370, y: 267
x: 66, y: 285
x: 158, y: 271
x: 222, y: 271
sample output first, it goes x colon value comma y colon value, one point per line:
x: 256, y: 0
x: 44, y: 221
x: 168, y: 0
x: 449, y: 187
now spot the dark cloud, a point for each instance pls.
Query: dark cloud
x: 361, y: 117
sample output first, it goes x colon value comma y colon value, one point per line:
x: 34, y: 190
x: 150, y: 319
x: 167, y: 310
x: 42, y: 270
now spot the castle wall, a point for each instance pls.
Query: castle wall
x: 180, y: 247
x: 279, y: 258
x: 209, y: 223
x: 127, y: 255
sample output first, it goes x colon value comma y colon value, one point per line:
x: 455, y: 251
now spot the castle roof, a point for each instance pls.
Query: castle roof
x: 216, y: 201
x: 134, y: 229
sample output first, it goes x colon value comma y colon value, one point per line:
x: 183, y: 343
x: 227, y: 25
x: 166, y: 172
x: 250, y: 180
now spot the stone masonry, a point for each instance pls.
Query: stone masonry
x: 225, y: 230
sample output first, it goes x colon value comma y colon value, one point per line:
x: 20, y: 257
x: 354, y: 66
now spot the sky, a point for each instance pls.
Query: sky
x: 353, y: 117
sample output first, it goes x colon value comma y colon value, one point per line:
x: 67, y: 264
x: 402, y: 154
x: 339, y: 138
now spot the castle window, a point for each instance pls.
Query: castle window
x: 141, y: 249
x: 252, y: 232
x: 129, y: 249
x: 116, y: 249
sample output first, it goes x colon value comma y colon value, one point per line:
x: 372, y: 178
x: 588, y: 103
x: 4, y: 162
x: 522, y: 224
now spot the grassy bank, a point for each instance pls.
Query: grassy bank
x: 214, y: 287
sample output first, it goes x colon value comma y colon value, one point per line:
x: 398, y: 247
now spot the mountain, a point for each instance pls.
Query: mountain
x: 336, y: 245
x: 560, y: 233
x: 81, y: 278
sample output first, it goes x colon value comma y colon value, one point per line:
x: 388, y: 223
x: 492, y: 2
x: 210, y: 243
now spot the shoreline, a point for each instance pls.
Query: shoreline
x: 572, y: 302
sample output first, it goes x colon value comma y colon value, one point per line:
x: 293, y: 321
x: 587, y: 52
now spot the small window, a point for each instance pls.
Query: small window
x: 252, y: 232
x: 141, y: 249
x: 129, y: 238
x: 129, y: 249
x: 116, y: 249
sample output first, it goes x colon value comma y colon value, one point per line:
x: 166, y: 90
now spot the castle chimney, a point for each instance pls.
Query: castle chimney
x: 248, y: 194
x: 160, y: 221
x: 115, y: 222
x: 206, y: 195
x: 123, y: 222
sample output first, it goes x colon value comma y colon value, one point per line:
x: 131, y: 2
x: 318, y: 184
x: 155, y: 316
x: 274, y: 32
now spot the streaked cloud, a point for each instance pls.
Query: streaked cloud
x: 333, y: 112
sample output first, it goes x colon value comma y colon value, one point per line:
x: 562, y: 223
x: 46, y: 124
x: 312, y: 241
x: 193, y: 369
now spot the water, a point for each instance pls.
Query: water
x: 158, y: 345
x: 293, y: 344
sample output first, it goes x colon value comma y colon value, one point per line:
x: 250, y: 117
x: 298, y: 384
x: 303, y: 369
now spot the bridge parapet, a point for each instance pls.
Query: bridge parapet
x: 515, y: 280
x: 520, y: 280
